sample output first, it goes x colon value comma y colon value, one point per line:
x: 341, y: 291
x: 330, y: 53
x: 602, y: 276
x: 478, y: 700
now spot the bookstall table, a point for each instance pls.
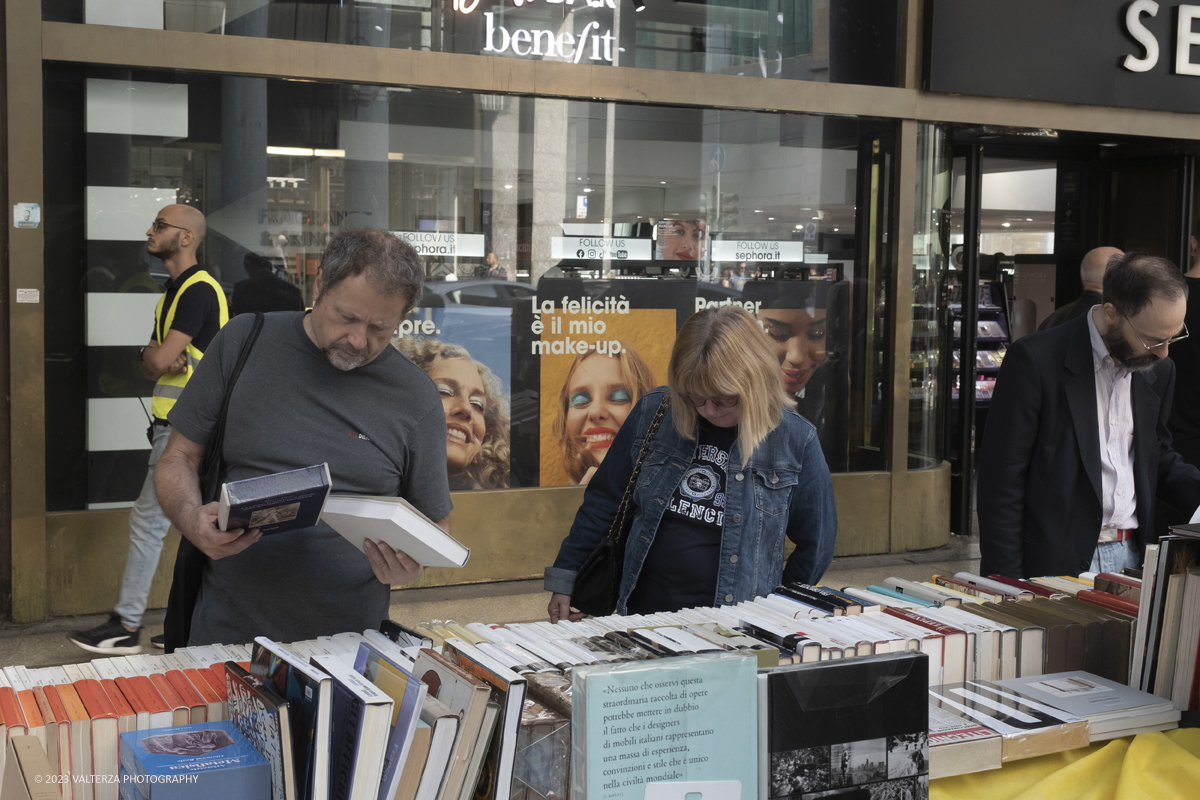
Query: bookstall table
x: 1149, y: 765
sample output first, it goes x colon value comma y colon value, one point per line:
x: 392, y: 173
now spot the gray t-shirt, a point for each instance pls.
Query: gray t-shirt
x: 380, y: 427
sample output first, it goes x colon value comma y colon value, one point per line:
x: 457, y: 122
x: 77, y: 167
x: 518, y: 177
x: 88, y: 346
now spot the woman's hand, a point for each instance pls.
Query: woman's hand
x: 560, y: 608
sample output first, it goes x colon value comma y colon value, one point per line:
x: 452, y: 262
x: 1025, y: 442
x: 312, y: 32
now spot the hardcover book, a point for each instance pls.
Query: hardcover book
x: 465, y: 695
x: 1027, y: 727
x: 307, y: 691
x: 408, y: 698
x: 1108, y: 706
x: 284, y: 501
x: 397, y: 522
x: 686, y: 718
x: 958, y: 744
x: 217, y: 759
x: 262, y: 716
x: 854, y: 728
x: 360, y: 717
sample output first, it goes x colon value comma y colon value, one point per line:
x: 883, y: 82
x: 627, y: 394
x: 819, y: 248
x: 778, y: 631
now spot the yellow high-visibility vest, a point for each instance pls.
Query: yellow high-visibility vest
x: 170, y: 384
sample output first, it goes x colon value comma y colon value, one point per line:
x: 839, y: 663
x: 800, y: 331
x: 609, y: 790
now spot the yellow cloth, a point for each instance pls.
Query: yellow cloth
x: 1149, y: 766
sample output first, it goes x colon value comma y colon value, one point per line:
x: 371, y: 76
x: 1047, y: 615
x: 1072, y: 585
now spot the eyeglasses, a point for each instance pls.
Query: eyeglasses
x: 1172, y: 340
x: 158, y: 225
x: 728, y: 401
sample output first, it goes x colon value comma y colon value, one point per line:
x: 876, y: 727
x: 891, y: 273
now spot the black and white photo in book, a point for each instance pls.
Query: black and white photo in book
x: 859, y: 763
x: 908, y: 754
x: 798, y: 771
x: 867, y: 716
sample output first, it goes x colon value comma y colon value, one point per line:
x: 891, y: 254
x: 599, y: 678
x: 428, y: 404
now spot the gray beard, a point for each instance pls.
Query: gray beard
x: 340, y: 359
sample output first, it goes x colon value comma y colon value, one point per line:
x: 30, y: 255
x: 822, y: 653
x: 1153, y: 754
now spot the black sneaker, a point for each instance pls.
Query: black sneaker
x: 109, y: 638
x: 159, y: 641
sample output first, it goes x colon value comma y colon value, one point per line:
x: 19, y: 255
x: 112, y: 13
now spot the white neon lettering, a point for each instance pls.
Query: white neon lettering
x: 520, y: 36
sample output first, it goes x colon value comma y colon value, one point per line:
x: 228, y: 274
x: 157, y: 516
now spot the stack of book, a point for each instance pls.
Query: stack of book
x: 1166, y: 651
x: 449, y: 711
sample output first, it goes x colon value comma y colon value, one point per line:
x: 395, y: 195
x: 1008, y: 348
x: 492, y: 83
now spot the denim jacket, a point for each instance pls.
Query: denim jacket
x: 784, y: 490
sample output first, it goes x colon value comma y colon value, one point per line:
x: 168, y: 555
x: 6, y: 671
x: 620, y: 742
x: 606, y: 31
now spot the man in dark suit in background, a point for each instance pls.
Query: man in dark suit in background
x: 1091, y: 273
x: 1077, y: 442
x: 263, y: 290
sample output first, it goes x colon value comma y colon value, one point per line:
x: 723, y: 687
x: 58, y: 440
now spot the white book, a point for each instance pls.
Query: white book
x: 482, y: 629
x: 26, y: 678
x: 239, y: 652
x: 171, y: 662
x: 205, y: 655
x: 1149, y: 577
x: 185, y: 658
x: 883, y: 642
x: 106, y: 669
x: 932, y: 644
x: 982, y: 660
x: 156, y: 664
x: 15, y: 679
x: 349, y: 641
x: 398, y: 523
x: 504, y: 657
x: 371, y: 731
x: 56, y: 676
x: 73, y: 672
x: 793, y: 607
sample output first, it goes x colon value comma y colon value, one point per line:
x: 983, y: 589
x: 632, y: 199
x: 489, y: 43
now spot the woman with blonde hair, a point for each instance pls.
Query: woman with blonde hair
x: 477, y: 420
x: 731, y: 472
x: 599, y: 392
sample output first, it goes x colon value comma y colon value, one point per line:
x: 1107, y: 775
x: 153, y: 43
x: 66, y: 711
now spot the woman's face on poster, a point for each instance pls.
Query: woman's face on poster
x: 464, y: 401
x: 798, y: 336
x: 683, y: 240
x: 598, y: 401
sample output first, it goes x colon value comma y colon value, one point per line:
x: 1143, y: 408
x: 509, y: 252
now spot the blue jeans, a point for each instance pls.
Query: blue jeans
x: 1115, y: 556
x: 147, y: 527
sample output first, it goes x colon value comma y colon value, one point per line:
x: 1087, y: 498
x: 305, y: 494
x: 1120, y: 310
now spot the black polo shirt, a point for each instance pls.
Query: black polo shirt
x: 198, y: 314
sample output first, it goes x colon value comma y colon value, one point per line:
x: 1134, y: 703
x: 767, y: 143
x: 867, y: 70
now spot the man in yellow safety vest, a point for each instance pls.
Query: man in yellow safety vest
x: 187, y: 317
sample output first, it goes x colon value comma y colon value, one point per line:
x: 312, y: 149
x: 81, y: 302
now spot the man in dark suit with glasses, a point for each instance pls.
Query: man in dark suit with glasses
x: 1076, y: 443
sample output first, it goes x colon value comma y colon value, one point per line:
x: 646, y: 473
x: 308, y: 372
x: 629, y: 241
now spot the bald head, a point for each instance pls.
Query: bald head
x: 1091, y: 271
x: 188, y: 218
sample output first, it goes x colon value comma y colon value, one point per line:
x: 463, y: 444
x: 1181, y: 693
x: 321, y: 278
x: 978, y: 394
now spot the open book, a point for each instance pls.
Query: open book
x: 395, y: 521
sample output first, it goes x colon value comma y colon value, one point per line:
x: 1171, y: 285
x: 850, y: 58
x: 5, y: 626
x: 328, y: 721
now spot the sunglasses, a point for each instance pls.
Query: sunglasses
x: 728, y: 401
x: 158, y: 225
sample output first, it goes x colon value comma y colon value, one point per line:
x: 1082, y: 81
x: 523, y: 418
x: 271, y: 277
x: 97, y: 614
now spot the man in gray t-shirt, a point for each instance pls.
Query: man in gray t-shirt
x: 318, y: 386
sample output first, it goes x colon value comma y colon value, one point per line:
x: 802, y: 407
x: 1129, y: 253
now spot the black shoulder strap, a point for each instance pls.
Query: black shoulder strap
x: 214, y: 463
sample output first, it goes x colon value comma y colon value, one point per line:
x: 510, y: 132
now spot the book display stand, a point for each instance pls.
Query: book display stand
x: 810, y: 692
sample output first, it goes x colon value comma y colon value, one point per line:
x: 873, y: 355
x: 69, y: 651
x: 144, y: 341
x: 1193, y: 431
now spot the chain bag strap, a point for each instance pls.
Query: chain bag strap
x: 598, y: 581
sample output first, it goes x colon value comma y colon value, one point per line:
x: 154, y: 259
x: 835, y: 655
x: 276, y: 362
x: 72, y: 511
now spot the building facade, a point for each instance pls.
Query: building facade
x: 580, y: 177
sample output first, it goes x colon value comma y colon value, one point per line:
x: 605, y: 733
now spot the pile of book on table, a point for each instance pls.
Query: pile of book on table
x: 449, y: 711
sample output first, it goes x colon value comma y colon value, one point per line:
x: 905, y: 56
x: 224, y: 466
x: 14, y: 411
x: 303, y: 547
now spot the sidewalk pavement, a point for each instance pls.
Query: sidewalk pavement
x: 45, y: 644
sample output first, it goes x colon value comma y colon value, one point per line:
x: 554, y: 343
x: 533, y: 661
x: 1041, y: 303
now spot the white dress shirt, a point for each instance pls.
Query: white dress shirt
x: 1114, y: 412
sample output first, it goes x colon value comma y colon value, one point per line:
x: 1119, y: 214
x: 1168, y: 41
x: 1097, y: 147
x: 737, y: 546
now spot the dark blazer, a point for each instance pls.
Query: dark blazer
x: 1039, y: 469
x: 1072, y: 310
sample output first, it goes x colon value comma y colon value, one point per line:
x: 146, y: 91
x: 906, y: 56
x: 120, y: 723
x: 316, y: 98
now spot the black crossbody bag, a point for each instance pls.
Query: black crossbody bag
x: 598, y: 581
x: 190, y: 560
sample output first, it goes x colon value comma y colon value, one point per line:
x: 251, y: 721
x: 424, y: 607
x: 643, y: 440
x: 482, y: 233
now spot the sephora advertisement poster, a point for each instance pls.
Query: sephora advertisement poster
x: 534, y: 394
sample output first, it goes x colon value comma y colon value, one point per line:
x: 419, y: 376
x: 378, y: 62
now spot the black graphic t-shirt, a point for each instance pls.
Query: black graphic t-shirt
x: 680, y: 570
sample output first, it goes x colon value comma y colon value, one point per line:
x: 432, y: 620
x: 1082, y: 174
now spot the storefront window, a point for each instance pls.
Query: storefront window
x: 565, y: 242
x: 839, y: 41
x: 931, y: 256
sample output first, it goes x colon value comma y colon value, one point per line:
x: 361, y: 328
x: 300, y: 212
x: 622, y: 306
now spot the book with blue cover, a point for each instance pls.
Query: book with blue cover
x: 217, y: 759
x: 283, y: 501
x: 308, y: 692
x: 408, y: 697
x: 687, y: 718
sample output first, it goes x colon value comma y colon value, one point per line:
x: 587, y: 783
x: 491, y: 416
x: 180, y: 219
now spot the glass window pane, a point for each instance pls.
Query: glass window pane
x: 550, y: 229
